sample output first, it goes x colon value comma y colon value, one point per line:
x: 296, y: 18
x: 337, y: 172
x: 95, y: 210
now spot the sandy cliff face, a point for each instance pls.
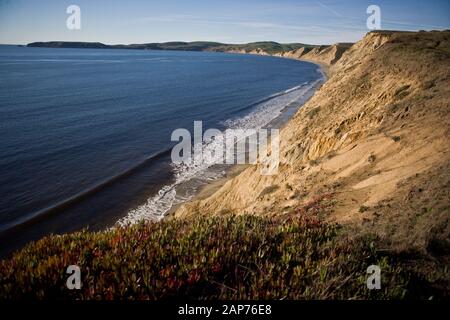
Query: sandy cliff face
x: 376, y: 136
x: 294, y: 54
x: 257, y: 51
x: 327, y: 55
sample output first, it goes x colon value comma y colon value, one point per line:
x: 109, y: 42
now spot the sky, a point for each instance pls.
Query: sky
x: 228, y: 21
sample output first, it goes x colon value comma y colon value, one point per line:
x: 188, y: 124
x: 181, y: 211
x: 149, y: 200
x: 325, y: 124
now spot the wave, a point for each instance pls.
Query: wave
x: 272, y: 96
x: 263, y: 113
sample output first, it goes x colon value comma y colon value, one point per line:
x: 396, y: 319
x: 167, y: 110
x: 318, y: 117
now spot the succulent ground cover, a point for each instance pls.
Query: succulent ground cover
x: 295, y: 256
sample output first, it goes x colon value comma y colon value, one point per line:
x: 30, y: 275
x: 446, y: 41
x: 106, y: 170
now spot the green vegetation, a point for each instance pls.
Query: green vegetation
x: 266, y: 46
x: 176, y: 45
x: 228, y: 257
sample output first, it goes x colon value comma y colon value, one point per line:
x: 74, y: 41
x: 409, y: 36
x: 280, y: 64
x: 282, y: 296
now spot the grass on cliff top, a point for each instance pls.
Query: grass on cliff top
x: 227, y: 257
x: 269, y: 47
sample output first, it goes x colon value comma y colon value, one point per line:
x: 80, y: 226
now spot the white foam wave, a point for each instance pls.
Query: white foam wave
x: 158, y: 205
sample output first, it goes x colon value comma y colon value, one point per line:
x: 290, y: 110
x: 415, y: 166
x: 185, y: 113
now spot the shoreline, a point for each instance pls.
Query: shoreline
x: 323, y: 67
x: 234, y: 170
x: 210, y: 188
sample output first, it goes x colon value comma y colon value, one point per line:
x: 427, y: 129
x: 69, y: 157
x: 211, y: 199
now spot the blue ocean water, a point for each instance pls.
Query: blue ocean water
x: 84, y: 131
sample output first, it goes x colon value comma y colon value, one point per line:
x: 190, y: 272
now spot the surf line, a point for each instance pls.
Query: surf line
x: 231, y: 147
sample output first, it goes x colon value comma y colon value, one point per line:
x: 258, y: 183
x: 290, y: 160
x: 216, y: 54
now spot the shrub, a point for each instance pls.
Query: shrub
x: 228, y: 257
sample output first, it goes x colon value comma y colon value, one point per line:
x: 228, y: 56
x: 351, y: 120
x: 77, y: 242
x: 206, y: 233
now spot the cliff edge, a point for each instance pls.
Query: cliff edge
x: 325, y: 55
x: 375, y: 137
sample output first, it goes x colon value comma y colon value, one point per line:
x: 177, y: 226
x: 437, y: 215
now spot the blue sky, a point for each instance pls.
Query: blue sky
x: 230, y: 21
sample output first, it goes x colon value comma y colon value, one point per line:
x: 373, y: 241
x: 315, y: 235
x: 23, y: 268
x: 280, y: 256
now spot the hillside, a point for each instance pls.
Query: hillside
x: 208, y: 257
x: 377, y: 137
x: 326, y: 55
x: 65, y: 44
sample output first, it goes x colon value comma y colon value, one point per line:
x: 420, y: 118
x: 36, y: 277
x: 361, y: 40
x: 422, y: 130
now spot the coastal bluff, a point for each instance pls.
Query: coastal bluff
x: 375, y: 137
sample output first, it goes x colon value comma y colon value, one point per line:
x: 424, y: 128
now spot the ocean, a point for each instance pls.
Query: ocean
x: 86, y: 133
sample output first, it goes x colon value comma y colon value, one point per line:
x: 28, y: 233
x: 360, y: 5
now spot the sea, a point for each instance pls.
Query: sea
x: 86, y: 133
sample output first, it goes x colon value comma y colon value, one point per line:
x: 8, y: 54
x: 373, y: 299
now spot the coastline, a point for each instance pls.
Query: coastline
x: 210, y: 188
x: 325, y: 68
x: 233, y: 171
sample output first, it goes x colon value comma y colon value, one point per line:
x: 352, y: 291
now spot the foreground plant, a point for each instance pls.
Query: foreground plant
x: 226, y: 257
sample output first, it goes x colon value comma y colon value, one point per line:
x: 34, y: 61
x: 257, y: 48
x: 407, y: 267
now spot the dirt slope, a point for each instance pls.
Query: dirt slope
x: 376, y: 136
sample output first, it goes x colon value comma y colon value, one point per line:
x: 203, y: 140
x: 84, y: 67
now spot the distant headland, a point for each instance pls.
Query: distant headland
x: 267, y: 46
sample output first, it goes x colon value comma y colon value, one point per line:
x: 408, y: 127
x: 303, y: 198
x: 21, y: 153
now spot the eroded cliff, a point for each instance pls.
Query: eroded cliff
x: 376, y: 137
